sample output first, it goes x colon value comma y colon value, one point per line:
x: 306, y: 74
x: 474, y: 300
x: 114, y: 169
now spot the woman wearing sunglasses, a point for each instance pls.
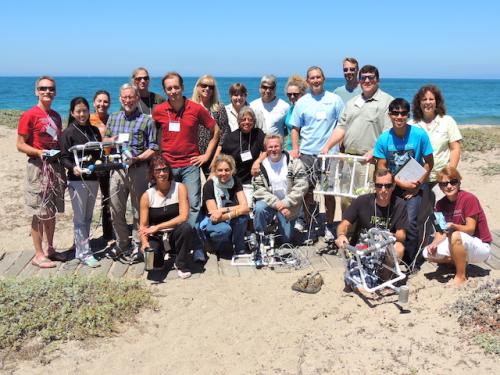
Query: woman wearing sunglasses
x: 205, y: 93
x: 466, y: 238
x: 295, y: 89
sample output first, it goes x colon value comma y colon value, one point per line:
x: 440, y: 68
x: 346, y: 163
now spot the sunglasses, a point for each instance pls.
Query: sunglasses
x: 206, y: 86
x: 46, y: 88
x: 349, y: 70
x: 160, y: 170
x: 146, y: 78
x: 452, y: 182
x: 369, y: 78
x: 270, y: 88
x: 399, y: 113
x: 290, y: 94
x: 387, y: 186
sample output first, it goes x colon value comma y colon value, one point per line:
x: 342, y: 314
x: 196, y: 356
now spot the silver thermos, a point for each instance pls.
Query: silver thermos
x: 149, y: 259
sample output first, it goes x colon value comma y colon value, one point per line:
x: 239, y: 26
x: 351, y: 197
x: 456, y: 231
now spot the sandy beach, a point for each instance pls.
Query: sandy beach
x: 259, y: 325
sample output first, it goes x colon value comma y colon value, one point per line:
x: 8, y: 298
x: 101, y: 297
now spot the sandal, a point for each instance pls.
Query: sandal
x: 310, y: 283
x: 301, y: 284
x: 43, y: 263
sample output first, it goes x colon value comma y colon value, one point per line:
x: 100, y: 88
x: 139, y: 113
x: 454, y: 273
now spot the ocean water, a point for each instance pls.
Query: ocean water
x: 469, y: 101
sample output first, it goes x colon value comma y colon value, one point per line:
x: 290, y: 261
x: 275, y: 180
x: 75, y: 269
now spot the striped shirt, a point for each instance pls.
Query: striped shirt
x: 140, y: 127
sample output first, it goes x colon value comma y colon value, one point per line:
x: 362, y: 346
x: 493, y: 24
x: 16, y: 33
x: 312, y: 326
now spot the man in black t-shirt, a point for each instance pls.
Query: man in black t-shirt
x: 381, y: 209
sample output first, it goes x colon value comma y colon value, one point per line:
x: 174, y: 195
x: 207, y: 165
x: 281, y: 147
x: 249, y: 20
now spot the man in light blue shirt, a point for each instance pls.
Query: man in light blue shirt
x: 314, y: 117
x: 351, y: 87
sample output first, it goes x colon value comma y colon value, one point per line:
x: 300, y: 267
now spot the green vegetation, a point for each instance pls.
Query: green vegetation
x: 479, y: 311
x: 480, y: 139
x: 9, y: 117
x: 66, y: 308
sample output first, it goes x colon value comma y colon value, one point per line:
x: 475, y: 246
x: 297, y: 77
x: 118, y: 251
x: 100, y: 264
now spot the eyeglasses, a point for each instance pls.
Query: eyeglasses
x: 452, y: 182
x: 290, y: 94
x: 127, y: 97
x: 270, y: 88
x: 145, y: 78
x: 160, y: 170
x: 387, y: 186
x: 350, y: 70
x: 46, y: 88
x: 368, y: 77
x: 206, y: 86
x: 399, y: 113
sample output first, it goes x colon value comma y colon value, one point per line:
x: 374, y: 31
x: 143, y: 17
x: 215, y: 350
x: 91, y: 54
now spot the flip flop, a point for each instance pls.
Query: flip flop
x: 44, y: 263
x: 59, y: 257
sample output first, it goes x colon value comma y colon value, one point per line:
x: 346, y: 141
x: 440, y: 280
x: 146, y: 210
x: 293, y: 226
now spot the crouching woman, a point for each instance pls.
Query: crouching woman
x: 164, y: 208
x: 224, y: 208
x: 467, y: 237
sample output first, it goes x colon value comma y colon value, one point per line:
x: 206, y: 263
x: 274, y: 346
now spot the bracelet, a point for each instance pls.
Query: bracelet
x: 229, y: 214
x: 236, y: 213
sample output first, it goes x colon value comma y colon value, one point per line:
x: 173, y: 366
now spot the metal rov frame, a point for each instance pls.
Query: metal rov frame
x: 343, y: 175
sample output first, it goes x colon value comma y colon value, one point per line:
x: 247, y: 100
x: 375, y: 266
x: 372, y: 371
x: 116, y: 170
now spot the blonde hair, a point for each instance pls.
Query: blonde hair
x: 214, y: 100
x: 223, y: 158
x: 297, y: 81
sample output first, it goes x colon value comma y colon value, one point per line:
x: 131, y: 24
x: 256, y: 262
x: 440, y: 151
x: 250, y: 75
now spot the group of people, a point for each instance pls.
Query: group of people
x: 201, y: 175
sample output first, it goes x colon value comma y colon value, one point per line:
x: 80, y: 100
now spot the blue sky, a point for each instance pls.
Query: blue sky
x: 404, y: 39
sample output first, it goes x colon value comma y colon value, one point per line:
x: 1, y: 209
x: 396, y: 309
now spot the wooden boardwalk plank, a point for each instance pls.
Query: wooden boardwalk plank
x: 20, y: 263
x: 48, y: 272
x: 211, y: 266
x: 118, y: 270
x: 493, y: 262
x: 28, y: 271
x: 136, y: 271
x: 8, y: 260
x: 102, y: 271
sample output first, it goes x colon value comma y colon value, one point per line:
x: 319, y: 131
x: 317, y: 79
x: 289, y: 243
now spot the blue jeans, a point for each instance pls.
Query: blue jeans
x: 190, y: 176
x: 222, y: 233
x: 263, y: 215
x: 413, y: 206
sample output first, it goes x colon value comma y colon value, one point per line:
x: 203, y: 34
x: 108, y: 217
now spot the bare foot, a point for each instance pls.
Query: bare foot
x: 457, y: 282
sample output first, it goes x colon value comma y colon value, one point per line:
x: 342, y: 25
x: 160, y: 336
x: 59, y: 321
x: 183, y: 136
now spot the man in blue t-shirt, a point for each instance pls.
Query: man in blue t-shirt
x: 393, y: 149
x: 313, y: 119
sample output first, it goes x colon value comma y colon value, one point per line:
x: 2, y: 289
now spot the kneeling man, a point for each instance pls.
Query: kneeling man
x: 381, y: 209
x: 279, y: 188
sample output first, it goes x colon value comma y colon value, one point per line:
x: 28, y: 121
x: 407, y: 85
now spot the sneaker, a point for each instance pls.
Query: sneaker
x: 137, y: 257
x: 199, y: 256
x: 183, y: 275
x: 114, y: 253
x: 92, y: 262
x: 299, y: 226
x: 329, y: 237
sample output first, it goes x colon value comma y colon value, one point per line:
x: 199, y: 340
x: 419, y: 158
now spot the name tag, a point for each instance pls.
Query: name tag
x: 174, y: 126
x: 321, y: 115
x: 123, y: 137
x: 245, y: 156
x: 51, y: 131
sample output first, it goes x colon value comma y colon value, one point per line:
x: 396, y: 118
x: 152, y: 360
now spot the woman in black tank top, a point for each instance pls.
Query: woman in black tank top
x: 165, y: 209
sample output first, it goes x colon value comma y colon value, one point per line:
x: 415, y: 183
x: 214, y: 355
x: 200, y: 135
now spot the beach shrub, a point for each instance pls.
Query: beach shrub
x: 479, y: 311
x: 480, y: 139
x: 10, y: 117
x: 66, y: 308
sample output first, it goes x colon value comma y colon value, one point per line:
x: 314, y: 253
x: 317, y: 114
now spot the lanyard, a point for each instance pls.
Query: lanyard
x: 249, y: 142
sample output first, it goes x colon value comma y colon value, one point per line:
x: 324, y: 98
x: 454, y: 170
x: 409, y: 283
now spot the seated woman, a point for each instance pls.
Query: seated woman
x: 82, y: 186
x: 165, y: 208
x: 467, y: 237
x: 225, y: 207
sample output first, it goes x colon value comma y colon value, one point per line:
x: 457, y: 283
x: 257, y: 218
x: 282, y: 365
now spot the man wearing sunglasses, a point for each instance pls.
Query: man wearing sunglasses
x: 394, y: 148
x: 364, y: 118
x: 39, y: 130
x: 148, y: 100
x: 273, y: 108
x: 381, y: 209
x: 351, y: 87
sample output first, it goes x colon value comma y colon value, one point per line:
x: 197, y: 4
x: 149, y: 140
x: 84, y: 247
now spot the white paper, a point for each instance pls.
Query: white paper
x: 411, y: 171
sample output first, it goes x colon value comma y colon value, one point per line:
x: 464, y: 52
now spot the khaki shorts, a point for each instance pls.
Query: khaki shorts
x: 44, y: 188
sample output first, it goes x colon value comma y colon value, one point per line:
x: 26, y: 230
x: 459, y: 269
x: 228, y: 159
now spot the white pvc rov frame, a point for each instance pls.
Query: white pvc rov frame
x: 378, y: 255
x: 343, y: 175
